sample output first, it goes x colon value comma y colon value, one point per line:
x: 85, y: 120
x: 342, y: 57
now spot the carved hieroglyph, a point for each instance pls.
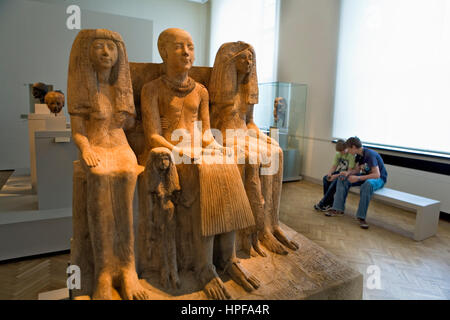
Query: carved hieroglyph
x: 100, y: 102
x: 233, y: 90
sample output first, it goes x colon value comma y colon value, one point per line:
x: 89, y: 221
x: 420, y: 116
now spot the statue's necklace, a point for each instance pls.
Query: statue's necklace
x: 177, y: 88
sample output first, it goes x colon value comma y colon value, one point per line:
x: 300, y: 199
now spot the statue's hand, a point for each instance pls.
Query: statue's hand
x: 272, y: 141
x: 90, y: 158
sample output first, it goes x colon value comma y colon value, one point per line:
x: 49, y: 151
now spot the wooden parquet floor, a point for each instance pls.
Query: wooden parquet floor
x: 408, y: 269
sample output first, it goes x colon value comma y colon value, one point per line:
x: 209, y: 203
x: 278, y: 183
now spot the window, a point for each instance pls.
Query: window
x: 393, y: 76
x: 252, y: 21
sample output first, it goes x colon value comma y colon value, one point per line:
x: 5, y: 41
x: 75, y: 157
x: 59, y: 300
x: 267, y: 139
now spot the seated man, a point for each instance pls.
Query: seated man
x: 213, y: 201
x: 371, y: 175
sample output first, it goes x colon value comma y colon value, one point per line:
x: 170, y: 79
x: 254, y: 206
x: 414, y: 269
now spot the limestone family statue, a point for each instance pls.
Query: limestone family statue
x: 202, y: 197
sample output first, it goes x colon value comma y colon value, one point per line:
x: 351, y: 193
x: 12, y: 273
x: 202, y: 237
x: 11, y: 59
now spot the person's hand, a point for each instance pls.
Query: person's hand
x: 344, y: 174
x: 90, y: 158
x: 333, y: 177
x: 353, y: 179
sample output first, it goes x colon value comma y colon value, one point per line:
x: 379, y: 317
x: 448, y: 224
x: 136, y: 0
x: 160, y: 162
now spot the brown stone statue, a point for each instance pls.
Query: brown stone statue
x: 233, y: 91
x: 212, y: 203
x: 39, y: 91
x: 55, y: 101
x: 100, y: 102
x: 163, y: 184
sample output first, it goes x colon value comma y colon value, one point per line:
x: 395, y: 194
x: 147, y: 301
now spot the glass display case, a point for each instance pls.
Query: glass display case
x: 282, y: 106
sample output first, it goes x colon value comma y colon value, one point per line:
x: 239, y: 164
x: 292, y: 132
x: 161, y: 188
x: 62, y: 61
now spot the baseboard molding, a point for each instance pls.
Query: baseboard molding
x: 22, y: 171
x: 444, y: 216
x: 313, y: 180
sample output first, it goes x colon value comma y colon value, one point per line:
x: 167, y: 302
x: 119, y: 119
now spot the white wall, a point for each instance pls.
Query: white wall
x: 307, y: 54
x: 309, y: 32
x: 27, y: 56
x: 184, y: 14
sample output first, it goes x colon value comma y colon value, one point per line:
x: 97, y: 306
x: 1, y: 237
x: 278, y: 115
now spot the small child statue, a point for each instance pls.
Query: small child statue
x: 164, y: 185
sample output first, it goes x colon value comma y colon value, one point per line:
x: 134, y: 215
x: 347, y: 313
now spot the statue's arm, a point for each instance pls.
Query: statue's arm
x: 251, y: 125
x: 207, y: 136
x: 129, y: 123
x: 78, y: 124
x: 151, y: 119
x: 254, y: 130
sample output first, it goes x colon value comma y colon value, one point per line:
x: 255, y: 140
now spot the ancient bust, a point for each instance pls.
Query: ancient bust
x: 55, y: 101
x: 39, y: 91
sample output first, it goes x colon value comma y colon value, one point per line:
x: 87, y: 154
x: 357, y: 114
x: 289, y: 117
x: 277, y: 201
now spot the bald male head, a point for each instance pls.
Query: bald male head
x: 176, y: 49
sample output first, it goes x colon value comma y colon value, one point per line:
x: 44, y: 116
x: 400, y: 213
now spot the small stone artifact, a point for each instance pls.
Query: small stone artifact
x: 39, y: 91
x: 279, y: 112
x: 100, y: 102
x: 55, y: 101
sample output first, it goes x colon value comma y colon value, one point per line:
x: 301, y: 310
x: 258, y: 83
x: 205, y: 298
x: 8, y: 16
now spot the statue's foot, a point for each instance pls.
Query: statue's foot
x: 103, y: 288
x: 281, y: 236
x: 242, y: 277
x: 176, y: 283
x: 272, y: 244
x: 169, y: 278
x: 215, y: 289
x: 131, y: 289
x: 257, y: 247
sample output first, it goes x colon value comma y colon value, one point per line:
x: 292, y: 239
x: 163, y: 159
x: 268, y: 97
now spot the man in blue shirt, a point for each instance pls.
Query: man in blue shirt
x: 370, y: 174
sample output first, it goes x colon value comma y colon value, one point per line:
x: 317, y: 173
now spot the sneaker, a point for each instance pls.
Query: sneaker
x: 318, y: 207
x: 334, y: 213
x: 363, y: 224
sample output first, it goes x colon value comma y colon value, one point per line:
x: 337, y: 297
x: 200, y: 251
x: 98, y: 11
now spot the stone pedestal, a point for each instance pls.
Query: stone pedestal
x: 41, y: 122
x: 309, y: 273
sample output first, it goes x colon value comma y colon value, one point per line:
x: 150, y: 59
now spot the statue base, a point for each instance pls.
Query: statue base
x: 308, y: 273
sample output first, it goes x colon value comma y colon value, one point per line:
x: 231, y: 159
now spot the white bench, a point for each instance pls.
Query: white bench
x: 427, y: 210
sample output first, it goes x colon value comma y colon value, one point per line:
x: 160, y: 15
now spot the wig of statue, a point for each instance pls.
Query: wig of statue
x: 223, y: 81
x: 82, y: 88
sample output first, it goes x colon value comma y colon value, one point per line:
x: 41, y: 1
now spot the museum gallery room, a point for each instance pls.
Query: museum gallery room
x: 225, y: 150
